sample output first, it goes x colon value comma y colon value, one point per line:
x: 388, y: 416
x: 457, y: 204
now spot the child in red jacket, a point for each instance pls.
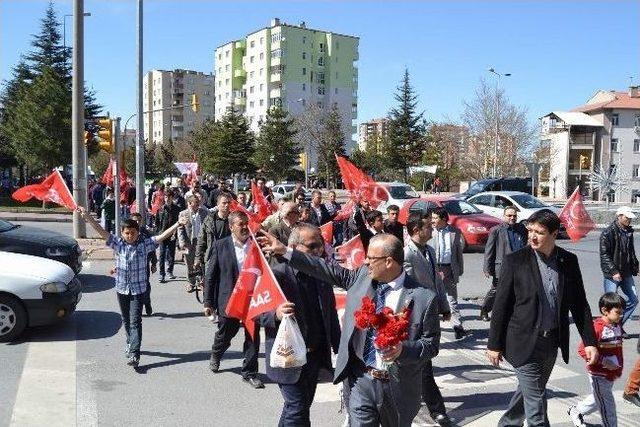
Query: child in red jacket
x: 609, y: 366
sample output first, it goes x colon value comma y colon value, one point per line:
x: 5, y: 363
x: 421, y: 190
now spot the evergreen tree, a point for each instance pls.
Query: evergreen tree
x: 405, y: 142
x: 276, y: 152
x: 163, y: 157
x: 226, y: 146
x: 331, y: 143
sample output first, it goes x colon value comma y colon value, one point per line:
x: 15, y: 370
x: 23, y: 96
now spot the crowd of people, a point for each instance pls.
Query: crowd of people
x: 416, y: 264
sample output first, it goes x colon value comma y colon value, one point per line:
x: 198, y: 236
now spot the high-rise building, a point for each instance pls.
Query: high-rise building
x: 367, y: 131
x: 167, y: 98
x: 295, y: 67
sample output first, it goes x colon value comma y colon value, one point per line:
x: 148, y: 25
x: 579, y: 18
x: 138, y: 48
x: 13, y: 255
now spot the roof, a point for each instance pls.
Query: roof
x: 617, y: 100
x: 575, y: 118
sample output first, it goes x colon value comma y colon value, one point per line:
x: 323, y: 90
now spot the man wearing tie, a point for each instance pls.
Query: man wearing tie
x: 385, y: 384
x: 419, y: 263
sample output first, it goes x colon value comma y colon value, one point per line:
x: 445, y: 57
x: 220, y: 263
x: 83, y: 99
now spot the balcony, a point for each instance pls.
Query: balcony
x: 276, y: 77
x: 275, y: 93
x: 588, y: 139
x: 276, y: 60
x: 239, y: 72
x: 240, y: 101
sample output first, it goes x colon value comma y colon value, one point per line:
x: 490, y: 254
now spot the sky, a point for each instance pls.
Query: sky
x: 559, y: 53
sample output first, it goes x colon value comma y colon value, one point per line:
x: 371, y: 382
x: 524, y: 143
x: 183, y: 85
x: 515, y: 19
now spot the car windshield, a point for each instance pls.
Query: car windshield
x: 402, y: 192
x: 460, y: 207
x: 6, y: 226
x: 476, y: 187
x: 527, y: 201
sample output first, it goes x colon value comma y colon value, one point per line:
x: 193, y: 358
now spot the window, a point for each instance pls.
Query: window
x: 250, y: 104
x: 226, y: 54
x: 321, y: 47
x: 277, y: 53
x: 337, y: 45
x: 636, y: 145
x: 321, y: 78
x: 219, y: 70
x: 615, y: 119
x: 304, y: 39
x: 219, y: 97
x: 635, y: 172
x: 275, y: 37
x: 261, y: 71
x: 226, y: 82
x: 320, y: 90
x: 335, y: 91
x: 219, y: 56
x: 614, y: 145
x: 501, y: 202
x: 304, y: 87
x: 321, y: 61
x: 261, y: 40
x: 251, y: 73
x: 251, y: 58
x: 304, y: 71
x: 226, y: 95
x: 261, y: 87
x: 261, y: 55
x: 636, y: 122
x: 226, y: 67
x: 261, y: 102
x: 252, y: 44
x: 304, y: 55
x: 320, y: 104
x: 219, y: 83
x: 251, y: 89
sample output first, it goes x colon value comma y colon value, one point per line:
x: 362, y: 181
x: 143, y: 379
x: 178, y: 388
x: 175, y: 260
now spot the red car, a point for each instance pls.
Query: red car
x: 473, y: 223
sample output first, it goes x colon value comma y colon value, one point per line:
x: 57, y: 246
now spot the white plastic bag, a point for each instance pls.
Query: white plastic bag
x: 289, y: 349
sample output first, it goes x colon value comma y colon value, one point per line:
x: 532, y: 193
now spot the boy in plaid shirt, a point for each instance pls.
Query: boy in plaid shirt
x: 131, y: 275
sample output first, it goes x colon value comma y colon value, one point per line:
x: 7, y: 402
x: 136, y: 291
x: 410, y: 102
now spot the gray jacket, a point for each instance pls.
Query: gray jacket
x: 185, y: 232
x: 498, y: 246
x: 418, y: 268
x: 457, y: 262
x: 424, y: 329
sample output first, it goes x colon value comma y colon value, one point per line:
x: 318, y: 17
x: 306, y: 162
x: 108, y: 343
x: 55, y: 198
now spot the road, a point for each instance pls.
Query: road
x: 74, y: 372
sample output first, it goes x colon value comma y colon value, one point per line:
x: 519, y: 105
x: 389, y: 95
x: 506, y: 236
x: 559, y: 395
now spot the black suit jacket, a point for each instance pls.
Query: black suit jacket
x: 291, y: 286
x: 324, y: 218
x: 514, y: 331
x: 221, y: 275
x: 396, y: 229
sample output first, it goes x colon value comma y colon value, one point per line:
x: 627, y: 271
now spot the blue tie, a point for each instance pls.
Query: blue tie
x: 369, y: 349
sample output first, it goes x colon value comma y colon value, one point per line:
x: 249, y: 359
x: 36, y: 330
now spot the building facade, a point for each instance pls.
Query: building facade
x: 305, y: 71
x: 373, y: 130
x: 603, y: 133
x: 167, y: 103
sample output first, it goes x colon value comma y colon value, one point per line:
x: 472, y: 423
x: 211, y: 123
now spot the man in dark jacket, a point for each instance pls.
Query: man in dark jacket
x: 167, y: 216
x: 391, y: 224
x: 313, y: 304
x: 319, y: 215
x: 290, y: 217
x: 503, y: 239
x: 618, y: 259
x: 538, y: 286
x: 215, y: 227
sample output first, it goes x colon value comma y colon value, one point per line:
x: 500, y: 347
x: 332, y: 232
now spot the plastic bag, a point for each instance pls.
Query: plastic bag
x: 289, y: 349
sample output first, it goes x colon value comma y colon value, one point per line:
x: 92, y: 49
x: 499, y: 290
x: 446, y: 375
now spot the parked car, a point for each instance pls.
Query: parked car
x: 474, y: 224
x: 494, y: 202
x: 34, y: 291
x: 497, y: 184
x: 39, y: 242
x: 286, y: 190
x: 394, y: 193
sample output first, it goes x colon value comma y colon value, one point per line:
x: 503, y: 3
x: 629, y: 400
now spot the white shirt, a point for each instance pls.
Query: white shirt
x: 241, y: 250
x: 195, y: 225
x: 444, y: 246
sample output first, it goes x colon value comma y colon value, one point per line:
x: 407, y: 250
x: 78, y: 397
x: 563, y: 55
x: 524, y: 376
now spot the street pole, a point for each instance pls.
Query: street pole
x: 115, y: 132
x: 497, y: 103
x: 140, y: 134
x: 77, y: 119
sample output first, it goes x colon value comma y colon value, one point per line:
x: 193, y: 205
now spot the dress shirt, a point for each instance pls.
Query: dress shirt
x: 241, y: 250
x: 195, y: 225
x: 444, y: 246
x: 549, y: 274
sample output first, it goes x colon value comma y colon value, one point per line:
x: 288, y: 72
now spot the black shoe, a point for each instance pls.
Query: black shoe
x: 254, y: 382
x: 632, y: 398
x: 441, y: 420
x: 460, y: 333
x: 214, y: 364
x: 171, y: 276
x: 133, y: 361
x: 484, y: 316
x: 162, y: 279
x: 148, y: 310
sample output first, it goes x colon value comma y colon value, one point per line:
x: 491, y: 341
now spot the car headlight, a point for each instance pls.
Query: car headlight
x: 476, y: 229
x: 57, y: 252
x: 54, y: 287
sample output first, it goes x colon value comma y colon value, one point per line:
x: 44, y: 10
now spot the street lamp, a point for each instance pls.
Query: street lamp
x: 497, y: 102
x: 64, y: 28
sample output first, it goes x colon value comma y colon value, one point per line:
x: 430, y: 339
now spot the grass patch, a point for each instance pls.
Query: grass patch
x: 7, y: 204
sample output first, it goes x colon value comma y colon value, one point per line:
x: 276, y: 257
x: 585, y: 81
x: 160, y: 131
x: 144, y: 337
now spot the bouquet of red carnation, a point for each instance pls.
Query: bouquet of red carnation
x: 391, y: 328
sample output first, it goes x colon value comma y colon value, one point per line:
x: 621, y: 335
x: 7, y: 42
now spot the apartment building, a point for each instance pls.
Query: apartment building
x: 367, y: 131
x: 303, y: 70
x: 167, y: 103
x: 603, y: 132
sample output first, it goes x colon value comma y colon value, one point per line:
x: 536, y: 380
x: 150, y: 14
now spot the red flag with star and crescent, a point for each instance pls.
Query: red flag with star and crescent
x: 327, y: 232
x: 256, y: 291
x: 262, y: 206
x: 351, y: 253
x: 52, y: 189
x: 575, y: 217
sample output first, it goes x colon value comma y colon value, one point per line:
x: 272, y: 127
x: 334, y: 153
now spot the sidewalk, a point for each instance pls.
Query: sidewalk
x: 33, y: 216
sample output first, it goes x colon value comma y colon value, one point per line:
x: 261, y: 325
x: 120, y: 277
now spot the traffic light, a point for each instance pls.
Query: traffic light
x: 105, y: 135
x: 195, y: 105
x: 303, y: 161
x: 584, y: 161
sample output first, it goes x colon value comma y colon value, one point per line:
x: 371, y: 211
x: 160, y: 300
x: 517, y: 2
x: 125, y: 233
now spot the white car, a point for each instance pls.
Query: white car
x: 494, y: 202
x: 393, y: 193
x: 284, y: 190
x: 34, y: 291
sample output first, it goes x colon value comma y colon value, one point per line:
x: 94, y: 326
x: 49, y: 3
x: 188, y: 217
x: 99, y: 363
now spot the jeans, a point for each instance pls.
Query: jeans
x: 451, y: 288
x: 168, y: 254
x: 629, y: 291
x: 601, y: 398
x: 298, y: 397
x: 131, y: 311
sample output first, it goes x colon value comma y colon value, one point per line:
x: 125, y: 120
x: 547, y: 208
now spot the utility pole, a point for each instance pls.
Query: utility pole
x: 77, y: 119
x: 140, y: 134
x: 115, y: 132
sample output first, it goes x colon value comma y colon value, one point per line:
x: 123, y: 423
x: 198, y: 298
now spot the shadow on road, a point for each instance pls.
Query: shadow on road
x: 178, y: 315
x: 96, y: 283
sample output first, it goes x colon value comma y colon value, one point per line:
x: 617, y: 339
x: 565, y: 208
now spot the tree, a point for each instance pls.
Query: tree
x: 515, y: 133
x: 331, y: 143
x: 225, y: 147
x: 163, y: 157
x: 405, y: 142
x: 370, y: 159
x: 444, y: 148
x: 276, y: 151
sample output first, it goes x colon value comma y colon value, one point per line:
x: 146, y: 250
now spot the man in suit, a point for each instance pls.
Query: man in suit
x: 314, y: 307
x: 420, y: 265
x: 544, y: 282
x: 368, y: 225
x: 319, y: 214
x: 215, y: 227
x: 385, y: 384
x: 391, y: 224
x: 449, y: 262
x: 505, y: 238
x: 289, y: 218
x: 194, y: 217
x: 167, y: 216
x: 225, y: 262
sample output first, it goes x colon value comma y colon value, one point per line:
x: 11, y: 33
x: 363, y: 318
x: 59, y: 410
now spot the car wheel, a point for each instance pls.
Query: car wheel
x: 13, y: 318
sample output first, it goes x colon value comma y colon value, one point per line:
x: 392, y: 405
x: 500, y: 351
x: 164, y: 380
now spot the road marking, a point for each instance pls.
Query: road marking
x: 47, y: 390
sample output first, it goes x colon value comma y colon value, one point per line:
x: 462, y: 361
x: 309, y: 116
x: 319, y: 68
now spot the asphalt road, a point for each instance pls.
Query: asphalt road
x: 78, y: 368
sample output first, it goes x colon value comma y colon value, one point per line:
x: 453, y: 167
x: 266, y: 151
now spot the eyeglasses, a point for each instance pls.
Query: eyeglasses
x: 371, y: 258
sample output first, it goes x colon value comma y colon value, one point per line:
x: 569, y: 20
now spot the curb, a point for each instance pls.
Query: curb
x: 34, y: 219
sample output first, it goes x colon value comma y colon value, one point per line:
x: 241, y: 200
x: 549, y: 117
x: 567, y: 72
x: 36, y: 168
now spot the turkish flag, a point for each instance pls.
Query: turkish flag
x: 575, y: 217
x: 341, y: 304
x: 157, y: 202
x: 107, y: 177
x: 262, y: 206
x: 256, y: 290
x: 52, y: 189
x: 255, y: 223
x: 345, y: 211
x: 190, y: 169
x: 351, y: 253
x: 360, y: 184
x: 327, y: 232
